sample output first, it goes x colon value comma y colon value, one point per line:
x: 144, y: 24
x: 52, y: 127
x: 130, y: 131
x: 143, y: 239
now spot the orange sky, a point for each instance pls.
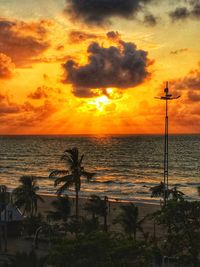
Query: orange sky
x: 68, y: 69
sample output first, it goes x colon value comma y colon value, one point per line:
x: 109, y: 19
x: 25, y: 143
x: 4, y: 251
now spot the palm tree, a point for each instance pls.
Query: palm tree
x: 71, y: 177
x: 129, y: 220
x: 97, y: 206
x: 62, y: 209
x: 4, y: 196
x: 25, y: 195
x: 177, y: 195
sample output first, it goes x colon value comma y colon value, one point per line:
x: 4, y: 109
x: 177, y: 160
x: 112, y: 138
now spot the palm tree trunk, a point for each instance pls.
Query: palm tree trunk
x: 105, y: 223
x: 134, y: 234
x: 77, y: 211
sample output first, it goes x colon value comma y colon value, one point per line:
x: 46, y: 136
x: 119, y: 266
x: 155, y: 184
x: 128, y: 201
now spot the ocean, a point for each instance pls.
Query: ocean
x: 126, y: 166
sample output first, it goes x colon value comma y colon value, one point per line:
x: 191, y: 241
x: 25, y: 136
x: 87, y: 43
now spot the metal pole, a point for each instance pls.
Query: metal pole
x: 166, y: 97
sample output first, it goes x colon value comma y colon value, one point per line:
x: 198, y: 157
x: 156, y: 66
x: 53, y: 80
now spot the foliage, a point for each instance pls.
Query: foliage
x: 129, y: 219
x: 23, y: 259
x: 25, y: 195
x: 176, y: 194
x: 160, y: 191
x: 4, y: 196
x: 71, y: 177
x: 100, y: 249
x: 81, y: 225
x: 182, y: 221
x: 62, y: 209
x: 97, y: 207
x: 31, y: 224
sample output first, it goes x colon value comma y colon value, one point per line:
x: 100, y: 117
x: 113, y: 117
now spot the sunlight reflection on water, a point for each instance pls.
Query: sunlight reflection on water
x: 126, y: 166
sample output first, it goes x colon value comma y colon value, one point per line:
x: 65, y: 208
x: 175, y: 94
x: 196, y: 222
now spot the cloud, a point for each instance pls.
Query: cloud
x: 190, y: 84
x: 120, y: 67
x: 113, y: 36
x: 6, y: 67
x: 32, y: 115
x: 193, y: 96
x: 190, y: 81
x: 99, y: 12
x: 175, y: 52
x: 7, y: 106
x: 81, y: 36
x: 22, y: 41
x: 39, y: 93
x: 150, y: 20
x: 190, y: 10
x: 179, y: 13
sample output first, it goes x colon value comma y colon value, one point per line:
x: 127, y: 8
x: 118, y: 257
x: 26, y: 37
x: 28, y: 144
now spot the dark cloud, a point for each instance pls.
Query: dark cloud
x: 190, y: 84
x: 100, y: 11
x: 6, y: 67
x: 114, y: 36
x: 175, y: 52
x: 22, y: 41
x: 80, y: 36
x: 190, y: 10
x: 150, y: 20
x: 179, y: 13
x: 120, y: 67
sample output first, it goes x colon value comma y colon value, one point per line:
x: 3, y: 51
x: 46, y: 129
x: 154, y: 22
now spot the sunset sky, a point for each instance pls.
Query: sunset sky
x: 95, y: 66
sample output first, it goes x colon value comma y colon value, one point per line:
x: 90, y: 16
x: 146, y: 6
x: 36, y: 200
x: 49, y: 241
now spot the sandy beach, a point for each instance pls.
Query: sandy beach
x: 22, y: 244
x: 113, y: 210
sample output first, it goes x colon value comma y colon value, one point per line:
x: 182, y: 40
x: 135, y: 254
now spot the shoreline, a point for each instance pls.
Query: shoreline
x: 110, y: 199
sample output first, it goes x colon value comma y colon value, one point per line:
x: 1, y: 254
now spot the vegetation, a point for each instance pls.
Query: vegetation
x: 159, y: 191
x: 62, y: 209
x: 23, y: 259
x: 181, y: 219
x: 100, y: 249
x: 78, y: 241
x: 25, y: 195
x: 71, y: 177
x: 98, y: 207
x: 129, y: 219
x: 4, y: 196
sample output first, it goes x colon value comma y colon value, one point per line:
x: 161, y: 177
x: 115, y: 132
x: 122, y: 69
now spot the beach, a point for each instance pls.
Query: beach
x: 23, y: 244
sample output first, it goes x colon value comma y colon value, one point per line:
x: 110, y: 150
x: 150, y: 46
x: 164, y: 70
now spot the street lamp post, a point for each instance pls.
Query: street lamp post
x: 166, y: 97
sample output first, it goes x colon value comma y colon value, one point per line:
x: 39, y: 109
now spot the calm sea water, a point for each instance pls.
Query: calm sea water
x: 126, y: 166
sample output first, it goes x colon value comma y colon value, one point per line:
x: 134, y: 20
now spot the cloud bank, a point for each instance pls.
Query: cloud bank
x: 22, y: 41
x: 99, y: 12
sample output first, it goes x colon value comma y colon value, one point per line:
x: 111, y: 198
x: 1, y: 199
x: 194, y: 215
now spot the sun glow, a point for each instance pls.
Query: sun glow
x: 100, y: 102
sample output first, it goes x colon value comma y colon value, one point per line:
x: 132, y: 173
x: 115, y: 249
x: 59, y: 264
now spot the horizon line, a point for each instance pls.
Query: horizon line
x: 97, y: 134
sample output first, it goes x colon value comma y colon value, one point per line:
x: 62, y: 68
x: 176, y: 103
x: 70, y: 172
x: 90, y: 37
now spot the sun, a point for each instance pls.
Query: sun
x: 100, y: 102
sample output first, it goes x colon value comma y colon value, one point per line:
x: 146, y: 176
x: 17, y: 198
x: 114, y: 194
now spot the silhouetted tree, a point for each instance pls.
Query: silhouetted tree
x: 182, y: 220
x: 62, y: 209
x: 129, y: 219
x: 98, y: 206
x: 176, y: 194
x: 4, y: 196
x: 25, y: 195
x: 71, y: 177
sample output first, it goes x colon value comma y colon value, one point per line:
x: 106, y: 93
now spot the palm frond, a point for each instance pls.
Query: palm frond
x: 64, y: 179
x: 80, y: 161
x: 56, y: 173
x: 63, y: 188
x: 88, y: 175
